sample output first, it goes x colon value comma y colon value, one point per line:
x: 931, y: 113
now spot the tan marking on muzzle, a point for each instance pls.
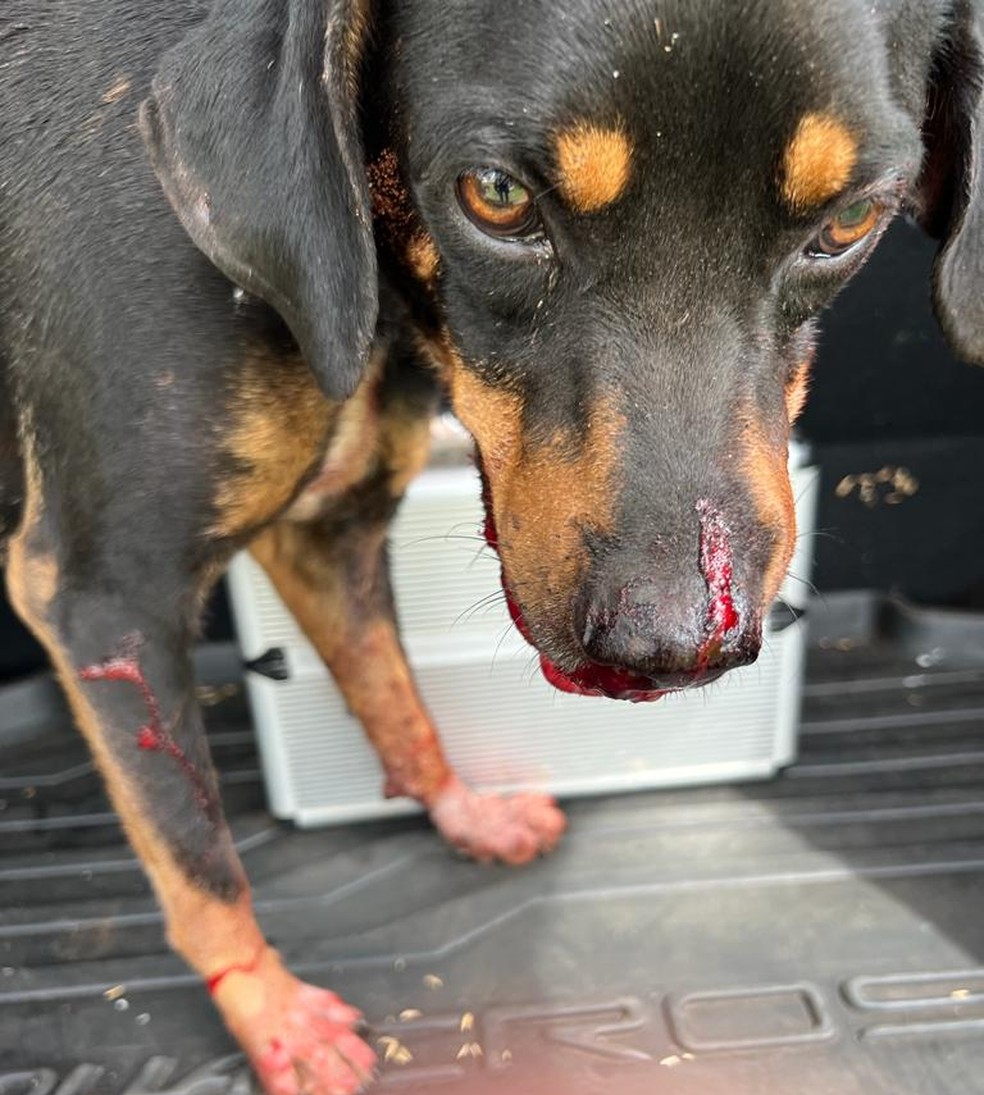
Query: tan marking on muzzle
x: 818, y: 162
x: 492, y: 415
x: 764, y: 462
x: 797, y: 390
x: 545, y: 494
x: 594, y: 165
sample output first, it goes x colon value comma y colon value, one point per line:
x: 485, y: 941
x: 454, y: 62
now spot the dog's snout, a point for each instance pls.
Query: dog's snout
x: 676, y: 625
x: 674, y: 637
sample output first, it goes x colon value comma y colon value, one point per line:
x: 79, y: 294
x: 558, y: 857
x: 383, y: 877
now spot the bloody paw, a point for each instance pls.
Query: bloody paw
x: 300, y: 1039
x: 513, y: 830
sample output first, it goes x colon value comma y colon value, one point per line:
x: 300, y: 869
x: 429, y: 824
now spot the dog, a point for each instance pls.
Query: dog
x: 248, y: 246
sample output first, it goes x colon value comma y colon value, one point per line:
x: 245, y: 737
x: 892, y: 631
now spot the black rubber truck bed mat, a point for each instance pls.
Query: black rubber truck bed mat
x: 820, y: 934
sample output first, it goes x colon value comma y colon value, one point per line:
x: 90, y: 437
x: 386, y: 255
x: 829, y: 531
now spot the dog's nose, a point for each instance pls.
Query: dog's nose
x: 677, y: 625
x: 658, y: 631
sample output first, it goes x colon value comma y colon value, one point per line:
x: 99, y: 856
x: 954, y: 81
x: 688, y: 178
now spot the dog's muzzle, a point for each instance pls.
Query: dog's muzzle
x: 645, y: 638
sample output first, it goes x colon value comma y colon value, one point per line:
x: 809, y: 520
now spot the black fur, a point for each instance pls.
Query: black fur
x: 690, y: 296
x: 122, y: 343
x: 252, y: 130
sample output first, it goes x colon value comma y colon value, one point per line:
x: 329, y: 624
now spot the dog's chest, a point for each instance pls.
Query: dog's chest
x: 276, y: 427
x: 349, y: 455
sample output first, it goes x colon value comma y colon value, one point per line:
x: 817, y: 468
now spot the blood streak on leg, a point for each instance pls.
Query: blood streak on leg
x: 153, y: 736
x: 717, y: 567
x: 212, y: 983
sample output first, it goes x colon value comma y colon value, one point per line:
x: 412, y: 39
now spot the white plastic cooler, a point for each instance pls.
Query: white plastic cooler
x: 503, y: 726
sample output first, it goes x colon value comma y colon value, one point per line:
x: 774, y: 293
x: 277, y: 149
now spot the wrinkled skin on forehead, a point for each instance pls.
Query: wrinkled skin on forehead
x: 637, y: 368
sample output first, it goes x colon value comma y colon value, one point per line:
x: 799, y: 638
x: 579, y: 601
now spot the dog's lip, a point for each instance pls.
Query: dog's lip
x: 589, y: 678
x: 594, y: 679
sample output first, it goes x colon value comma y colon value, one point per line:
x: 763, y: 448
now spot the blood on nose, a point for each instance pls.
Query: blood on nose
x: 717, y: 568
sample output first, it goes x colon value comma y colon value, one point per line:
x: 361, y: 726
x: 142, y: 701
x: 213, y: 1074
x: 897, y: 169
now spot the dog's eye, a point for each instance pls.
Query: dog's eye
x: 849, y: 227
x: 497, y: 203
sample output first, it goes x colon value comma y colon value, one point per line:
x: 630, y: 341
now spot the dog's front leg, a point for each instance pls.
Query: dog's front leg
x: 332, y: 574
x: 121, y: 651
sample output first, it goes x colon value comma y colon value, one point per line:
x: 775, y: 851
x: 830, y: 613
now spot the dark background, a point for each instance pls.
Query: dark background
x: 887, y: 394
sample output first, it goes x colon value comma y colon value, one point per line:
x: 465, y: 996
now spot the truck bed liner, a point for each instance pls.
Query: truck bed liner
x: 822, y: 933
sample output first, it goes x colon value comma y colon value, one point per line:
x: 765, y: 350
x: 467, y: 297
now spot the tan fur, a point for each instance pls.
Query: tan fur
x: 818, y: 162
x: 361, y: 440
x: 208, y: 933
x: 362, y: 651
x: 279, y: 423
x: 117, y: 91
x: 797, y: 390
x: 544, y: 494
x: 404, y: 448
x: 764, y: 462
x: 32, y: 577
x: 356, y: 30
x: 423, y: 258
x: 491, y: 415
x: 351, y: 451
x: 594, y: 165
x: 347, y: 29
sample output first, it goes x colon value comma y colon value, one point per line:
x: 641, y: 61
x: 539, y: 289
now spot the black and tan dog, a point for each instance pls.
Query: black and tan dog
x: 604, y: 228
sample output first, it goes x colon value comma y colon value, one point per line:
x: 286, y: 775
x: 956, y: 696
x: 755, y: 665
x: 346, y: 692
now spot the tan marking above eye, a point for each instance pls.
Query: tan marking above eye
x: 818, y: 161
x: 594, y: 164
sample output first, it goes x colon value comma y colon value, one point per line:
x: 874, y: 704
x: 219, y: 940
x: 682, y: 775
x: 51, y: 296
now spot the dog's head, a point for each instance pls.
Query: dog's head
x: 616, y: 226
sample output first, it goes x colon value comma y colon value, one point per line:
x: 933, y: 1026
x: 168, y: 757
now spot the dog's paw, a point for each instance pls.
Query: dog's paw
x: 492, y: 827
x: 300, y: 1039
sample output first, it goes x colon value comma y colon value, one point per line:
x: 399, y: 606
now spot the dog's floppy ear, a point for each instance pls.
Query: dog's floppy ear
x: 950, y: 194
x: 252, y: 129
